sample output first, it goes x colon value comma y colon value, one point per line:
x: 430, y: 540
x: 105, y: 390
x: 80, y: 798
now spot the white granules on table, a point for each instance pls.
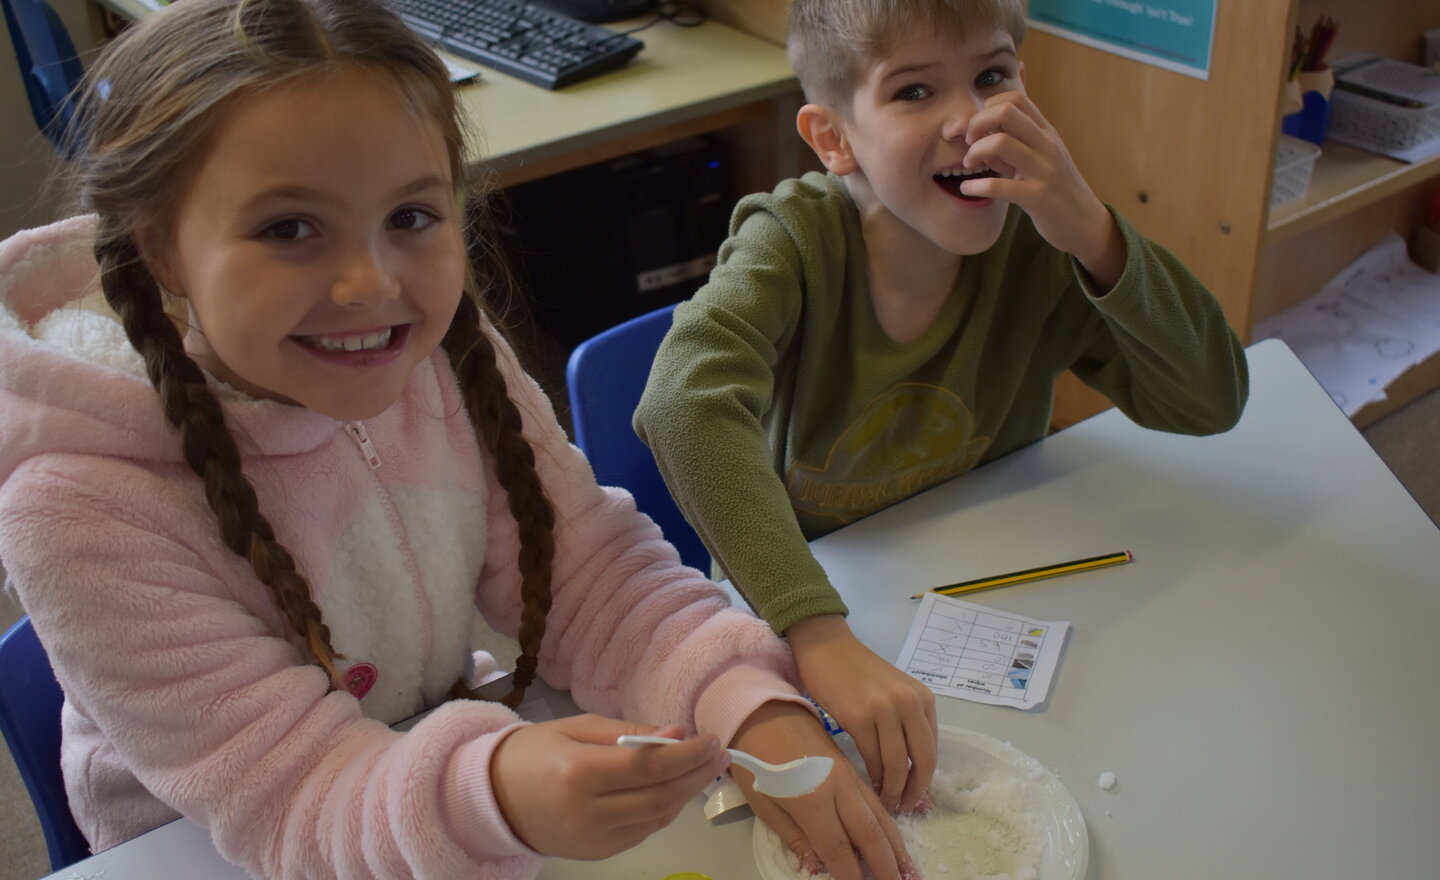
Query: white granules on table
x: 981, y: 827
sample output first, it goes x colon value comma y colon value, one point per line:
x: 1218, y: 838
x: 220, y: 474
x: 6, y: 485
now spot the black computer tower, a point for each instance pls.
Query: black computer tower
x: 600, y: 244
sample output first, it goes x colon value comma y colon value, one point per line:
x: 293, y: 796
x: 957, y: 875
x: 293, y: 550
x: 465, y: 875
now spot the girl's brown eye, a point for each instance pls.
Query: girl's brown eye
x: 411, y: 218
x: 288, y: 230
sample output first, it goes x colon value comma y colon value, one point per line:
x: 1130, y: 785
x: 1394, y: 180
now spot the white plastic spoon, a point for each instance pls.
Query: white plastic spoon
x: 791, y: 779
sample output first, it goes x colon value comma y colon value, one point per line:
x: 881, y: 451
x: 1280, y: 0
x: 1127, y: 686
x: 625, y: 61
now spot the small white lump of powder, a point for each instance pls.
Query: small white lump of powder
x: 1106, y: 781
x: 980, y: 826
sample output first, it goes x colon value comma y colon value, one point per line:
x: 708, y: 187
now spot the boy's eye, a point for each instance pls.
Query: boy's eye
x: 412, y: 219
x: 991, y: 78
x: 292, y: 229
x: 912, y: 93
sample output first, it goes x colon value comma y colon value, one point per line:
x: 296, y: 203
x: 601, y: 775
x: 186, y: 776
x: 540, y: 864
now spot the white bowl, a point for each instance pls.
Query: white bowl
x: 1065, y: 851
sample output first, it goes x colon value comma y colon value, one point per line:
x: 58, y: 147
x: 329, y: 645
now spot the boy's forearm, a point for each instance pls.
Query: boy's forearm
x: 1104, y: 259
x: 1174, y: 364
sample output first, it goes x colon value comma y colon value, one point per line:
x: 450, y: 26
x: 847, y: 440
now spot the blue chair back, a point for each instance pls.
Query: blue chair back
x: 30, y: 700
x: 48, y: 64
x: 605, y: 377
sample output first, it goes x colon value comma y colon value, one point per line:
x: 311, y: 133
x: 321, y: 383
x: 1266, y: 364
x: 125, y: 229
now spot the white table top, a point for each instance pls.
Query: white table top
x: 1258, y: 679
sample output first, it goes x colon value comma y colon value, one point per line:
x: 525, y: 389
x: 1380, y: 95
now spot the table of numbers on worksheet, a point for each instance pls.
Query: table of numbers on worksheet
x: 964, y: 650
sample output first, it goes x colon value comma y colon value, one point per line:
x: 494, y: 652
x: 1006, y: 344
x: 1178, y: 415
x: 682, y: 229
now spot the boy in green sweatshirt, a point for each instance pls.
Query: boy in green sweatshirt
x: 875, y: 330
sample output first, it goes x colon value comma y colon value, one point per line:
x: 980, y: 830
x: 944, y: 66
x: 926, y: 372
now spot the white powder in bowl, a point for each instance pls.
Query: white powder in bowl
x: 980, y: 827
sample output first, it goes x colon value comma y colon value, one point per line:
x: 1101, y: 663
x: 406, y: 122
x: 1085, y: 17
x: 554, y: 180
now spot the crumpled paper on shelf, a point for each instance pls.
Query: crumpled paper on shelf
x: 1369, y: 324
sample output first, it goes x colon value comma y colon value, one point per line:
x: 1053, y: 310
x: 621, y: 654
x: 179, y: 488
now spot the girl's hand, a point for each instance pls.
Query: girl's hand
x: 1011, y: 137
x: 568, y: 790
x: 834, y: 827
x: 889, y: 714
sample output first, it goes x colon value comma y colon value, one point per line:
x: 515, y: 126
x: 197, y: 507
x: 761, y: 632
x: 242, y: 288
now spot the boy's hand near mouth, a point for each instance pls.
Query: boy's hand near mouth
x: 1033, y: 169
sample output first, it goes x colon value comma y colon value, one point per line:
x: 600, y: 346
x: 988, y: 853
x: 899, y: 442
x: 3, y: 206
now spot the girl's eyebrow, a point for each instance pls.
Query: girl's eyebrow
x: 299, y: 193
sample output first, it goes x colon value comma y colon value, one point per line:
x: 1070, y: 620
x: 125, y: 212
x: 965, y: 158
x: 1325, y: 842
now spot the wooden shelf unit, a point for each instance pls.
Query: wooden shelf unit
x: 1346, y: 179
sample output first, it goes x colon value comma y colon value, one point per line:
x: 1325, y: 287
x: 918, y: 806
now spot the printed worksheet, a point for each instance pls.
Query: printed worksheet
x: 963, y: 650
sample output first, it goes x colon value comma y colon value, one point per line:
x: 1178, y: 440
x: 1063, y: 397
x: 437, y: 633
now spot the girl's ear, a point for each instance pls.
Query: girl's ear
x: 820, y: 127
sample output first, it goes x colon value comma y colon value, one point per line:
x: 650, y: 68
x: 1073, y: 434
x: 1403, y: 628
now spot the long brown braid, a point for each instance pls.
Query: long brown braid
x: 498, y: 425
x: 170, y: 80
x: 208, y: 446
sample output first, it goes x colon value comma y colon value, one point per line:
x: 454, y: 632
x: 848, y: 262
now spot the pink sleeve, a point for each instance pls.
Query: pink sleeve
x: 632, y: 633
x: 222, y: 720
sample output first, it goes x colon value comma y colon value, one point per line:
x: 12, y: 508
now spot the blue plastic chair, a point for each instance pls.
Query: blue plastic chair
x: 30, y: 700
x: 605, y: 377
x: 48, y: 65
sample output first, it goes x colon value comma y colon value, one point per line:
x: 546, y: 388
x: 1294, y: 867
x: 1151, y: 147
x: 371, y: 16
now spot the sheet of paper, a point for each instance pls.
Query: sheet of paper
x: 959, y: 649
x: 1376, y: 319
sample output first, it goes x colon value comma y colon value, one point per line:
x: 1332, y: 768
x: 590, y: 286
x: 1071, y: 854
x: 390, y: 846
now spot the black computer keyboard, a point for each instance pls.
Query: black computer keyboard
x: 518, y: 38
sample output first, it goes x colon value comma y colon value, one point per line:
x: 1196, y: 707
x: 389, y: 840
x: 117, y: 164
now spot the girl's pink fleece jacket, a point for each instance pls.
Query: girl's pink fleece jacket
x: 186, y: 691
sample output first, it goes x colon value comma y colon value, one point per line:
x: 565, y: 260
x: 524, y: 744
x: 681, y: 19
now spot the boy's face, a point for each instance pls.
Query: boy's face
x: 906, y: 136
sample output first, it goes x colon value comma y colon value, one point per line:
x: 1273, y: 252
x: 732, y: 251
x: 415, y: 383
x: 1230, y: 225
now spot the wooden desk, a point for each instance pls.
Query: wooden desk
x: 686, y: 81
x: 1260, y: 679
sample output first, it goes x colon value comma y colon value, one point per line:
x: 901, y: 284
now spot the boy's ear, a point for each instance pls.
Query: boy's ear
x: 820, y: 127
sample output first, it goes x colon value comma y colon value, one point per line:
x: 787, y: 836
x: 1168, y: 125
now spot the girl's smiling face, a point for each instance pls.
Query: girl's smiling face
x: 318, y: 245
x: 906, y: 134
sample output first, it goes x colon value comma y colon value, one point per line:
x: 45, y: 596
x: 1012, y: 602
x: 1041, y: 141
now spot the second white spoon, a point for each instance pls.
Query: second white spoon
x: 791, y: 779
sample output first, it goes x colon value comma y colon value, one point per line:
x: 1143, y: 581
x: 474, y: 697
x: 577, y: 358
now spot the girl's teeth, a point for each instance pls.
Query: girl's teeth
x: 367, y: 342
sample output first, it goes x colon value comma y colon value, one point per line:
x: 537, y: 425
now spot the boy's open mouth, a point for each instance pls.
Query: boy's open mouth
x: 950, y: 182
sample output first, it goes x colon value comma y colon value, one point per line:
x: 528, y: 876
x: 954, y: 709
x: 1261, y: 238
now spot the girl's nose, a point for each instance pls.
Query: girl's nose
x: 364, y: 279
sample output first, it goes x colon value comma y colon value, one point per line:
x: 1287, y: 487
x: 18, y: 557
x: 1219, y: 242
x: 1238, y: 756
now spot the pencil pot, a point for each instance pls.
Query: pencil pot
x: 1312, y: 120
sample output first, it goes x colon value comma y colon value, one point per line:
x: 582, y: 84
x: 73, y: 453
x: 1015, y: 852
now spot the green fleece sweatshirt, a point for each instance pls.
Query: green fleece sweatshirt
x: 778, y: 409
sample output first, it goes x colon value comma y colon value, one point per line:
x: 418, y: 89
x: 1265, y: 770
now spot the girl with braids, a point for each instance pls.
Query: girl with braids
x: 263, y: 456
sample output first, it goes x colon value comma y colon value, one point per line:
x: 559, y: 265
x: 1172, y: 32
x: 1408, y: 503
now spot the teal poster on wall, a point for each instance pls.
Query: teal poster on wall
x: 1174, y: 34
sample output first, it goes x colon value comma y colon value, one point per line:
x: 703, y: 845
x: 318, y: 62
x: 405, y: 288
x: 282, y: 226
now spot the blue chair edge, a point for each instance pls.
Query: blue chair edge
x: 63, y: 841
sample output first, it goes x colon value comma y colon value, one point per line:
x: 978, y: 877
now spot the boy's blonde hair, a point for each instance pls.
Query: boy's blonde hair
x: 831, y: 41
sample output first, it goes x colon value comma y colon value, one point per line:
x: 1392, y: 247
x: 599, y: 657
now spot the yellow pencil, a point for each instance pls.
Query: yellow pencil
x: 1031, y: 574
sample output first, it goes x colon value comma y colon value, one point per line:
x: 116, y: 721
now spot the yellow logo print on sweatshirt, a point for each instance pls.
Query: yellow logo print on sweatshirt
x: 908, y: 439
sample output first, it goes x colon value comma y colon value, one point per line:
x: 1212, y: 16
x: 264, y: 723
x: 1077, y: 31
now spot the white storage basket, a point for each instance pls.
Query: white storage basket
x: 1411, y: 118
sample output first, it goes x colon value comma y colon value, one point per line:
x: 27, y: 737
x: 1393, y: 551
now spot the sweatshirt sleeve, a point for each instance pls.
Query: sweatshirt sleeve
x: 215, y: 714
x: 1170, y: 360
x: 632, y: 632
x: 713, y: 380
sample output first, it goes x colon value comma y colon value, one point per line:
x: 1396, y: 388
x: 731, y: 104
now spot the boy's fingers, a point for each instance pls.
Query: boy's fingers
x: 867, y: 743
x: 896, y: 761
x: 922, y: 741
x: 1003, y: 117
x: 1022, y: 102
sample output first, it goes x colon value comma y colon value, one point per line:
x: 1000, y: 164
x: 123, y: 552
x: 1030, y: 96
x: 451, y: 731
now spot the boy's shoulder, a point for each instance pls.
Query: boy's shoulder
x: 812, y: 195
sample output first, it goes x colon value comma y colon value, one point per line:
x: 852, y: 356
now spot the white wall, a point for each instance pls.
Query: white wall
x: 26, y: 159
